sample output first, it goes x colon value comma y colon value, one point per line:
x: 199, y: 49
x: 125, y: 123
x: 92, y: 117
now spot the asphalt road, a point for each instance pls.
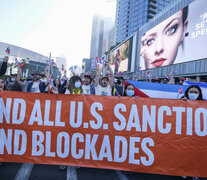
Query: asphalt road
x: 17, y: 171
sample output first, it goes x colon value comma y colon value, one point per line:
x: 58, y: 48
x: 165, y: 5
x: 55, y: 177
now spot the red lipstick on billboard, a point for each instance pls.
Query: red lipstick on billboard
x: 158, y: 62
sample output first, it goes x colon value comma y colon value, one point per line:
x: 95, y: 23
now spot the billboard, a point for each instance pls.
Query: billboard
x: 120, y: 58
x: 180, y: 38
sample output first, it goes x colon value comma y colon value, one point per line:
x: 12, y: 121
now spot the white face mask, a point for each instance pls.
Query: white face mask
x: 77, y: 84
x: 193, y: 96
x: 130, y: 92
x: 12, y: 79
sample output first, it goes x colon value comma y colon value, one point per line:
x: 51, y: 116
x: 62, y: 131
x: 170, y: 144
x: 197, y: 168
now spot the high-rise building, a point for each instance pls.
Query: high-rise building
x: 100, y: 37
x: 96, y: 36
x: 131, y: 14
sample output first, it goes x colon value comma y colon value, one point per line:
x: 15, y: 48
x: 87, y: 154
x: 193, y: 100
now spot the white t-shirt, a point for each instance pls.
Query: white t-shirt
x: 67, y: 91
x: 86, y: 89
x: 103, y: 91
x: 35, y: 87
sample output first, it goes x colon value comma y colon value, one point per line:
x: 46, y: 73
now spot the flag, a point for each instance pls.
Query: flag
x: 52, y: 63
x: 119, y: 73
x: 21, y: 63
x: 94, y: 64
x: 182, y: 79
x: 180, y: 93
x: 107, y: 74
x: 50, y: 85
x: 115, y: 92
x: 148, y: 74
x: 139, y: 68
x: 116, y: 64
x: 98, y: 60
x: 62, y: 67
x: 8, y: 50
x: 71, y: 69
x: 157, y: 90
x: 16, y: 61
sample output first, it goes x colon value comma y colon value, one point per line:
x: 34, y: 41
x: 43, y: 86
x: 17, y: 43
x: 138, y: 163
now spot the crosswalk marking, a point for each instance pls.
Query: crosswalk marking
x: 24, y: 172
x: 71, y: 173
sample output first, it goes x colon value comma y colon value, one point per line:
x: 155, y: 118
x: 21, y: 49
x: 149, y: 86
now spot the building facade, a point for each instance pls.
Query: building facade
x: 33, y: 61
x: 190, y: 58
x: 101, y: 41
x: 132, y: 14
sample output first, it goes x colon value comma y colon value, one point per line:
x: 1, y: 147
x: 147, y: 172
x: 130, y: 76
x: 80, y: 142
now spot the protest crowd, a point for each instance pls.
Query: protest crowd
x: 105, y: 85
x: 85, y: 84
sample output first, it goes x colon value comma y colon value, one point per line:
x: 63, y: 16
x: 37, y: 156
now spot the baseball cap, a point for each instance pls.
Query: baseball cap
x: 36, y: 73
x: 88, y: 75
x: 104, y: 77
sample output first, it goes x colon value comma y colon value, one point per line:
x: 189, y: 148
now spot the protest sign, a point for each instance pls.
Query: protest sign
x: 133, y: 134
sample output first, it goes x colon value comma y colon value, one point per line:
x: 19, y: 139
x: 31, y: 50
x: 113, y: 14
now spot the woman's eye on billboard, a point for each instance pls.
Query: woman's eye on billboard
x: 172, y: 30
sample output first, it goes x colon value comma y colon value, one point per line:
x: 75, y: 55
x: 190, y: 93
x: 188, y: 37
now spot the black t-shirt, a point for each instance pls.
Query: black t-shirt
x: 14, y: 87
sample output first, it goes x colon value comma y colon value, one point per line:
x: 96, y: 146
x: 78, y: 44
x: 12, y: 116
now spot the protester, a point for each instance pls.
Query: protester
x: 14, y: 85
x: 106, y: 84
x: 88, y: 85
x: 193, y: 93
x: 129, y: 90
x: 37, y: 86
x: 2, y: 84
x: 58, y: 85
x: 43, y: 77
x: 119, y: 86
x: 4, y: 66
x: 74, y: 86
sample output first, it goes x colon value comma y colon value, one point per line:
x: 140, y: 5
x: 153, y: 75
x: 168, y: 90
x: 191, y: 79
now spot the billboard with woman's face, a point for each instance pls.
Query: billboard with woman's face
x: 180, y: 38
x: 120, y: 57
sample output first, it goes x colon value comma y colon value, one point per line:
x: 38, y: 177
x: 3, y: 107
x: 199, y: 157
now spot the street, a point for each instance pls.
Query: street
x: 18, y: 171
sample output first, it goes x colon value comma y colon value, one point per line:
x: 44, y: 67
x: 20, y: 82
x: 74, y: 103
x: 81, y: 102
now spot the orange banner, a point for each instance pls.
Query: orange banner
x: 159, y: 136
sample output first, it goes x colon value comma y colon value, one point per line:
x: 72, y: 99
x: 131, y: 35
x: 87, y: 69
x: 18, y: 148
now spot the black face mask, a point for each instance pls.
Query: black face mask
x: 42, y: 75
x: 118, y: 81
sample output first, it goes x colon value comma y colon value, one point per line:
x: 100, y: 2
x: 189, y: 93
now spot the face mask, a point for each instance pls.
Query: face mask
x: 77, y: 84
x: 192, y: 96
x: 130, y: 93
x: 118, y: 81
x: 12, y: 79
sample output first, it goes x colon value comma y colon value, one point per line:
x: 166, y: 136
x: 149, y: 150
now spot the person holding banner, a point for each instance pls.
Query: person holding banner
x: 14, y: 85
x: 88, y: 85
x: 194, y: 93
x: 129, y: 90
x: 37, y: 86
x: 74, y: 86
x: 4, y: 66
x: 106, y: 84
x: 58, y: 85
x: 119, y: 86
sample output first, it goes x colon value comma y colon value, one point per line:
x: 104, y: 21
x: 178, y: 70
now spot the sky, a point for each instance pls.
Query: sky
x: 62, y: 27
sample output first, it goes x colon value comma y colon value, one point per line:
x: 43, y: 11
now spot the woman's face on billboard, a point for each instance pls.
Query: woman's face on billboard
x: 159, y: 45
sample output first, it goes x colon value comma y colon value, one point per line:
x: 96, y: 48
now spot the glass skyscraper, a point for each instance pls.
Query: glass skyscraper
x: 131, y: 14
